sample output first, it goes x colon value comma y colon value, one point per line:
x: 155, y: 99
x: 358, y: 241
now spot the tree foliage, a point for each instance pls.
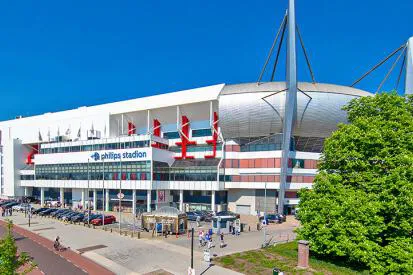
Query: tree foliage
x: 361, y: 206
x: 10, y: 261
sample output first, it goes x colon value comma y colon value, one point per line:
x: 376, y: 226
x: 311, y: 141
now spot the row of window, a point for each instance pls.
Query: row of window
x: 196, y: 148
x: 96, y: 147
x: 269, y: 163
x: 185, y: 177
x: 195, y: 133
x: 127, y: 166
x: 95, y: 176
x: 265, y: 178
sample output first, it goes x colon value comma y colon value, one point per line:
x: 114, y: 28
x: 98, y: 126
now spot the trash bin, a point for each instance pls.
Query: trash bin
x: 276, y: 271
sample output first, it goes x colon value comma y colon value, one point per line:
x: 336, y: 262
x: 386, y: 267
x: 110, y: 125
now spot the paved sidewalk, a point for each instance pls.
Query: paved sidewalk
x: 127, y: 255
x: 50, y: 261
x: 120, y: 254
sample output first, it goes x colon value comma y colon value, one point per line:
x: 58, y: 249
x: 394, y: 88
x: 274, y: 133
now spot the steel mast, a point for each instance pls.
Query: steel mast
x: 408, y: 88
x: 290, y: 102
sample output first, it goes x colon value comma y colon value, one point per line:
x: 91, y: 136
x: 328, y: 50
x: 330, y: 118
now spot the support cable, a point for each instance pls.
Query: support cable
x: 401, y: 71
x: 391, y: 69
x: 278, y: 50
x: 272, y: 49
x: 305, y: 54
x: 377, y: 65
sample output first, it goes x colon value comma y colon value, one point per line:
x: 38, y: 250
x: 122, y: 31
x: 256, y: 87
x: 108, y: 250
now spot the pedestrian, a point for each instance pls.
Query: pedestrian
x: 198, y: 220
x: 221, y: 245
x: 210, y: 242
x: 2, y: 211
x: 200, y: 237
x: 233, y: 230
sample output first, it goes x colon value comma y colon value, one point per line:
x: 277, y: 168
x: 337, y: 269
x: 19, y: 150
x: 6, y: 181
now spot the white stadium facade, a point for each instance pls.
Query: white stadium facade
x: 221, y: 147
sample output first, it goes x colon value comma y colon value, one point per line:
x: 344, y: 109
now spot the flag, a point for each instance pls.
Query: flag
x: 48, y: 134
x: 92, y: 130
x: 40, y: 136
x: 67, y: 133
x: 79, y: 133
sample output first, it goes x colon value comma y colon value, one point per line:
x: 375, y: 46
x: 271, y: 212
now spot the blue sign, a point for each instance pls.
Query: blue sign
x: 118, y: 156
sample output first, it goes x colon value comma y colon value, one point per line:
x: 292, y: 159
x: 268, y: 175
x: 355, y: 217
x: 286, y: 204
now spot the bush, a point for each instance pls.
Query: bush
x: 361, y: 206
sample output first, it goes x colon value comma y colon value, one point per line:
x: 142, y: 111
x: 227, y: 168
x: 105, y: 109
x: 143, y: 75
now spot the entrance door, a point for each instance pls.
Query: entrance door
x: 243, y: 209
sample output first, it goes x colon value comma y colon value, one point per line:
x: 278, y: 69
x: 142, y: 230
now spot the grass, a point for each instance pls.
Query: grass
x: 284, y: 257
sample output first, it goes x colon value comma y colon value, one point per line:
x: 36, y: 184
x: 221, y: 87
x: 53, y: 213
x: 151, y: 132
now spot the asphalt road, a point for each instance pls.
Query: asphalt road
x: 47, y: 261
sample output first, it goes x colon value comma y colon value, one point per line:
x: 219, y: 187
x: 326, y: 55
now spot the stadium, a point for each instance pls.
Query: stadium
x: 245, y: 147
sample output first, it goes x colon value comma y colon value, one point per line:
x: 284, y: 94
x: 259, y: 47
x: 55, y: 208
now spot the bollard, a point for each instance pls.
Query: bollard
x: 303, y: 254
x: 111, y: 230
x: 139, y: 235
x: 93, y: 226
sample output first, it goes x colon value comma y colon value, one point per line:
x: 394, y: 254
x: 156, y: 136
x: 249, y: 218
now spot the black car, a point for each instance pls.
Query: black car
x: 10, y: 204
x: 208, y: 215
x: 77, y: 218
x: 37, y: 211
x: 47, y: 212
x: 87, y: 218
x: 4, y: 202
x: 60, y: 211
x: 193, y: 216
x: 66, y: 216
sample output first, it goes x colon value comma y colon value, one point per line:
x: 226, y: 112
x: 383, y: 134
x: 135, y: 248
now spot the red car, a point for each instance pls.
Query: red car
x: 108, y: 220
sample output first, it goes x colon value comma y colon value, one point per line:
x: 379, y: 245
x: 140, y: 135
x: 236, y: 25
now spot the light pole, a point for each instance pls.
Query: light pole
x: 120, y: 192
x: 265, y: 215
x: 103, y: 192
x: 88, y: 206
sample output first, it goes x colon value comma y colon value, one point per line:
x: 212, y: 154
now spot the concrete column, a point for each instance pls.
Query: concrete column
x: 213, y: 201
x: 148, y: 201
x: 62, y: 196
x: 134, y: 202
x: 95, y: 199
x: 107, y: 200
x: 83, y: 198
x: 42, y: 196
x: 181, y: 200
x: 26, y: 191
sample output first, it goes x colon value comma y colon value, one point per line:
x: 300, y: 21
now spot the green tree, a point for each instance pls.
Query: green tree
x: 10, y: 261
x: 361, y: 206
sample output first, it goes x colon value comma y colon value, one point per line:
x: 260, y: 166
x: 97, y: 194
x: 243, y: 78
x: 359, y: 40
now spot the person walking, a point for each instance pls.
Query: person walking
x: 222, y: 244
x: 198, y: 221
x: 200, y: 237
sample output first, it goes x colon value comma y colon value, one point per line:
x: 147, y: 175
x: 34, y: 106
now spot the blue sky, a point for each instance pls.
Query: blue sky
x: 57, y: 55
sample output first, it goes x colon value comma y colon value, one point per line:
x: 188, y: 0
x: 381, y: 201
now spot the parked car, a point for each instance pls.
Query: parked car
x: 109, y: 219
x: 68, y: 215
x: 274, y: 218
x: 228, y: 213
x: 20, y: 207
x: 5, y: 202
x: 208, y: 215
x: 62, y: 213
x: 55, y: 213
x: 37, y: 211
x: 77, y: 218
x: 41, y: 209
x: 48, y: 211
x: 10, y: 204
x: 193, y: 215
x: 89, y: 218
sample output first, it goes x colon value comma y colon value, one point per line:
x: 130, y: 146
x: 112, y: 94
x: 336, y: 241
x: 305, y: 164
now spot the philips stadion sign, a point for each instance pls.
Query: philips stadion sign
x: 116, y: 156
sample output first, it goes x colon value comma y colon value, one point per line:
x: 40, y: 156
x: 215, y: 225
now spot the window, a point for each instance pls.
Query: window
x: 171, y: 135
x: 201, y: 133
